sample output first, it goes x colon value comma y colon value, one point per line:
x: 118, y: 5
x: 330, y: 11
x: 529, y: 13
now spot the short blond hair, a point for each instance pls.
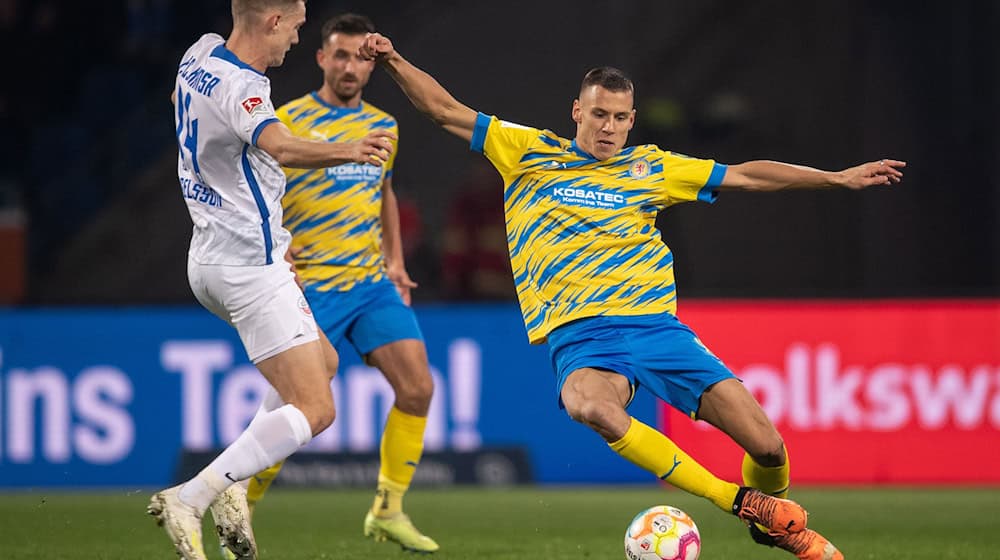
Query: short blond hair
x: 244, y: 9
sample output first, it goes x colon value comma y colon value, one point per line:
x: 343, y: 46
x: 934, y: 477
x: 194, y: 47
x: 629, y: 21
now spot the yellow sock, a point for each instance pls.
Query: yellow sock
x: 388, y: 498
x: 655, y: 452
x: 770, y: 480
x: 402, y: 445
x: 260, y: 482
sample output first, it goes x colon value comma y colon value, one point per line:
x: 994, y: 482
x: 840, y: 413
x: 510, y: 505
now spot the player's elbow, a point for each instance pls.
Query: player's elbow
x: 284, y: 158
x: 443, y: 112
x: 284, y: 155
x: 439, y: 114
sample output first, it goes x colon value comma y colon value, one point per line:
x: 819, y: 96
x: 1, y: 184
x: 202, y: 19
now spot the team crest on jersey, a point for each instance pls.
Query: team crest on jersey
x: 639, y: 169
x: 304, y: 306
x: 252, y: 104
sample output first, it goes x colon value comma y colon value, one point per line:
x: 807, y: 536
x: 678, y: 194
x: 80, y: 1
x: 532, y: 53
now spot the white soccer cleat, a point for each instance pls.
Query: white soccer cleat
x: 181, y: 522
x: 232, y: 522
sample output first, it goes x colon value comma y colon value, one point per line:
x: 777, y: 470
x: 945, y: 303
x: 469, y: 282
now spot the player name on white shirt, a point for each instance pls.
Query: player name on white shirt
x: 232, y: 188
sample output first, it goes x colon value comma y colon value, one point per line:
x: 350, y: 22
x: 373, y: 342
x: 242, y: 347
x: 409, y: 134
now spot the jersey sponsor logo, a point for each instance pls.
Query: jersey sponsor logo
x: 639, y: 169
x: 252, y: 105
x: 354, y: 172
x: 593, y: 198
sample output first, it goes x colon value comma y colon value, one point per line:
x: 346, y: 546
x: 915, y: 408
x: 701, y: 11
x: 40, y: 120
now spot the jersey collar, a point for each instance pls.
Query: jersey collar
x: 229, y: 56
x: 576, y: 149
x: 335, y: 109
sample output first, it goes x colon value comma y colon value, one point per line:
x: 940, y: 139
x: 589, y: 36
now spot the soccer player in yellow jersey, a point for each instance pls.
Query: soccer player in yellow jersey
x: 595, y: 282
x: 345, y: 234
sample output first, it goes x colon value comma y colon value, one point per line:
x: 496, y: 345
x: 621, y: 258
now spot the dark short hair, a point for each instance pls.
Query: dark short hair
x: 348, y: 24
x: 611, y: 79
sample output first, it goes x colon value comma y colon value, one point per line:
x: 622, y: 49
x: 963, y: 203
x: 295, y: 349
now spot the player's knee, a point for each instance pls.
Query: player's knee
x: 769, y: 452
x: 319, y: 410
x: 320, y: 418
x: 414, y: 396
x: 593, y: 413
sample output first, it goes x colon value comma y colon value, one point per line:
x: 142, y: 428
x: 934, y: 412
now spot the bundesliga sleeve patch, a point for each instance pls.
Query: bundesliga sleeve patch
x: 252, y: 105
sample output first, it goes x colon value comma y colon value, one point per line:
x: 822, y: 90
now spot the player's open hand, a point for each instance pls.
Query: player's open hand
x: 374, y: 148
x: 376, y: 47
x: 401, y: 279
x: 881, y: 172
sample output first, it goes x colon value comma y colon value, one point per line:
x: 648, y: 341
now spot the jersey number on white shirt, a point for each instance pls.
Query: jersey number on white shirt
x: 187, y: 132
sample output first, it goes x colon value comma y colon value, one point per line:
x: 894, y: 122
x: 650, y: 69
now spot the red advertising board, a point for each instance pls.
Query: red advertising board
x: 903, y: 392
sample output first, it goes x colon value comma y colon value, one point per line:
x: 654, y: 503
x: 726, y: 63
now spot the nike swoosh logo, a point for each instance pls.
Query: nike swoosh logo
x: 230, y: 477
x: 411, y: 464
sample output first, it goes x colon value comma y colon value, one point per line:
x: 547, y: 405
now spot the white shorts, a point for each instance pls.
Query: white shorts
x: 263, y: 303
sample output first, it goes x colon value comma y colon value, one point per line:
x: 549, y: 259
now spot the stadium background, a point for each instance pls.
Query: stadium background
x: 886, y: 299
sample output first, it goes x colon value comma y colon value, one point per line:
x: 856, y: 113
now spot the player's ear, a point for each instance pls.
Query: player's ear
x: 272, y: 20
x: 320, y: 57
x: 577, y: 112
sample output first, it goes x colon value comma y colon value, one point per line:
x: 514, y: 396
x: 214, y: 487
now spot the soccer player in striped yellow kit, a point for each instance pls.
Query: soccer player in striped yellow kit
x: 346, y: 242
x: 596, y: 283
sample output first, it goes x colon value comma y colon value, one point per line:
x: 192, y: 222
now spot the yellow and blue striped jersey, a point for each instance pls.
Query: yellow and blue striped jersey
x: 334, y: 214
x: 581, y: 231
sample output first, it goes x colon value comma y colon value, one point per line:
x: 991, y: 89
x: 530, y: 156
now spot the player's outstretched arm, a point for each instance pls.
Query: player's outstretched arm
x: 292, y: 151
x: 426, y: 94
x: 773, y: 175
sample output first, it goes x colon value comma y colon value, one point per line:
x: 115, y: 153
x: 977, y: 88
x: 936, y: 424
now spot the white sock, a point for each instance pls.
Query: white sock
x: 267, y: 440
x: 271, y: 401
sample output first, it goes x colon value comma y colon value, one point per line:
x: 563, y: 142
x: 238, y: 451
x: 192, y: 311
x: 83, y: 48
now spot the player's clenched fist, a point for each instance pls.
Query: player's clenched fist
x: 375, y: 47
x: 374, y: 148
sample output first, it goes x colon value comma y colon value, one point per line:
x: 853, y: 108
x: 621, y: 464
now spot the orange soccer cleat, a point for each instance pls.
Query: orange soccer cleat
x: 808, y: 545
x: 778, y: 516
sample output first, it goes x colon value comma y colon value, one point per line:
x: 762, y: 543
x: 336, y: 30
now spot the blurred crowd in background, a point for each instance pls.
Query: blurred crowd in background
x: 89, y: 212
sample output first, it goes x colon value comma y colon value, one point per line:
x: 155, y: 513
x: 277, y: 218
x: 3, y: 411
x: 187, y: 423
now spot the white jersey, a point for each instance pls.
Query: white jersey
x: 232, y: 188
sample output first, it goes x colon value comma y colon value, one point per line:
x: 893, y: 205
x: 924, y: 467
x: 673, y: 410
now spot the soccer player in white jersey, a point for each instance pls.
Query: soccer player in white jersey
x: 595, y: 282
x: 232, y: 148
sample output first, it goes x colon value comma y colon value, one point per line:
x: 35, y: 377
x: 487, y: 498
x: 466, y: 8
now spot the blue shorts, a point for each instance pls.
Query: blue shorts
x: 657, y: 352
x: 367, y: 315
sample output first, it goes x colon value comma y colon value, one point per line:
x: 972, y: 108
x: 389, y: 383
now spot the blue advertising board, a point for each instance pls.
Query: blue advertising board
x: 111, y: 397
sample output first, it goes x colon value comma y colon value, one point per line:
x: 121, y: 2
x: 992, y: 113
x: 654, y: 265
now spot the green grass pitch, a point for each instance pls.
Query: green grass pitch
x: 523, y: 523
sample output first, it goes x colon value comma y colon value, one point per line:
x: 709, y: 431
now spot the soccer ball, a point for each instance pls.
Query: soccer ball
x: 662, y: 533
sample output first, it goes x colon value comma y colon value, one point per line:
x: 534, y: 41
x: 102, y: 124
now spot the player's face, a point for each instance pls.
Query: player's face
x: 603, y: 120
x: 344, y: 71
x: 286, y: 32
